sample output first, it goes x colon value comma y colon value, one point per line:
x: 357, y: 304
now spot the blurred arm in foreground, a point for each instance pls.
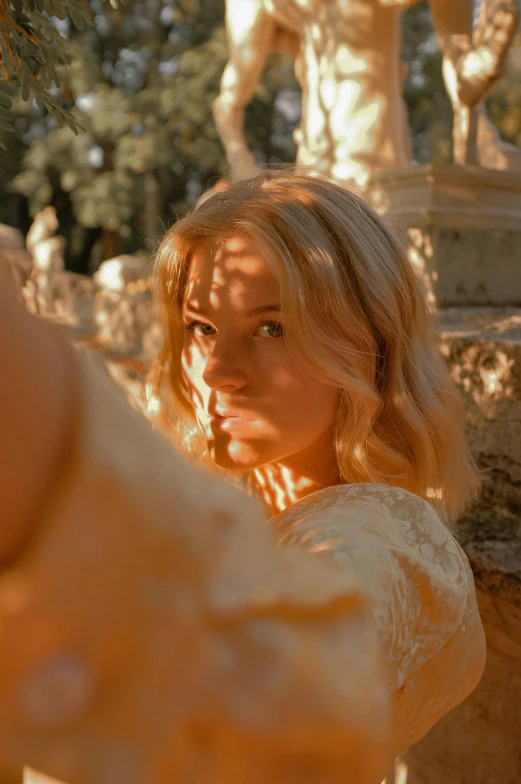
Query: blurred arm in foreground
x: 149, y: 629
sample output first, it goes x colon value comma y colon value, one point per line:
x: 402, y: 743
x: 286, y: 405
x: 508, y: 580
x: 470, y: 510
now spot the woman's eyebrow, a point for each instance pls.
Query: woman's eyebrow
x: 263, y: 309
x: 257, y: 311
x: 195, y: 309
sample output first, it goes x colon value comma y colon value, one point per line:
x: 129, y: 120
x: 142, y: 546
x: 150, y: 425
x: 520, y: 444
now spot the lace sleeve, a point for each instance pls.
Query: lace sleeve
x: 420, y: 587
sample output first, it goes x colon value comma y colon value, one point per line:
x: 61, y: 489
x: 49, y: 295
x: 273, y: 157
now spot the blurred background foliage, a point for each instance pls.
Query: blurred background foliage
x: 140, y: 82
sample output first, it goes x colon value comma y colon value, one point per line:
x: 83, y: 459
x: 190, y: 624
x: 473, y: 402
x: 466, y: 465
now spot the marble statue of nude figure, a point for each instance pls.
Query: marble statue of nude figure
x: 347, y: 61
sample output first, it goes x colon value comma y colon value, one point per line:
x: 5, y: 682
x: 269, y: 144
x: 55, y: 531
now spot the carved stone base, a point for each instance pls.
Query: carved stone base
x: 480, y: 741
x: 464, y: 227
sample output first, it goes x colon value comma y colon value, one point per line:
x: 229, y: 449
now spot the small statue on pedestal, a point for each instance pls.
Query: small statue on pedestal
x: 46, y: 250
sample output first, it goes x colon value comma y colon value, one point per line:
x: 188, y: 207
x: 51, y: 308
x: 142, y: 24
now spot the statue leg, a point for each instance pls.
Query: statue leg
x: 251, y: 32
x: 453, y: 24
x: 472, y: 60
x: 495, y: 32
x: 479, y: 68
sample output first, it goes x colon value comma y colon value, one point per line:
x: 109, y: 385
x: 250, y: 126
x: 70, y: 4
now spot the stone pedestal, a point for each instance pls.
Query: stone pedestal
x: 464, y: 227
x: 480, y: 741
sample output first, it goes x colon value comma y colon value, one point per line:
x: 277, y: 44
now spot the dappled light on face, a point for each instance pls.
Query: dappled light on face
x: 250, y: 397
x: 230, y: 276
x: 224, y: 281
x: 237, y: 245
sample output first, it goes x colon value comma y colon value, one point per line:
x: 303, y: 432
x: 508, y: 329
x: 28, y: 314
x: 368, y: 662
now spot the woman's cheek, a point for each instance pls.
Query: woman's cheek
x: 290, y: 381
x: 192, y: 362
x: 279, y: 368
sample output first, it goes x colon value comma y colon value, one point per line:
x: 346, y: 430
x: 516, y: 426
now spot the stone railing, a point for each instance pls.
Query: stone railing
x: 110, y: 313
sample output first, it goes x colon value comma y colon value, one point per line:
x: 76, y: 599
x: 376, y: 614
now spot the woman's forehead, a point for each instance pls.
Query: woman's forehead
x: 232, y: 271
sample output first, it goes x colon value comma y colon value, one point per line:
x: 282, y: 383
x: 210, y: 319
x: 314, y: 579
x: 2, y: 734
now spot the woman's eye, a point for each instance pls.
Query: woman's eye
x: 271, y: 329
x: 200, y: 329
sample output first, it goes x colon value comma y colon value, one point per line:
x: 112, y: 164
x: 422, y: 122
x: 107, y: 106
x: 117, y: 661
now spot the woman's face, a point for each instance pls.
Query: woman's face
x: 255, y: 405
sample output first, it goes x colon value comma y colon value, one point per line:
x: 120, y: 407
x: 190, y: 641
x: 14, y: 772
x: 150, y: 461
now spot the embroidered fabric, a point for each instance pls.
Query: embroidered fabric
x: 420, y: 587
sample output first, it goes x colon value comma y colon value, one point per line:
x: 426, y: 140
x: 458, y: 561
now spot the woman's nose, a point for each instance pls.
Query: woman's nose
x: 225, y: 366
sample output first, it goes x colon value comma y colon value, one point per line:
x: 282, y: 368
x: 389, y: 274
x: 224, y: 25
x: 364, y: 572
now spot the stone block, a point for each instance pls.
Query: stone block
x: 464, y: 230
x: 480, y: 741
x: 483, y: 349
x: 65, y: 297
x: 125, y: 322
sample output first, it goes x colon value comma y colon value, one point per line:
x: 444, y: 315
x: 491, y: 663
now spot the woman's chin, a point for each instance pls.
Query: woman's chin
x: 235, y: 456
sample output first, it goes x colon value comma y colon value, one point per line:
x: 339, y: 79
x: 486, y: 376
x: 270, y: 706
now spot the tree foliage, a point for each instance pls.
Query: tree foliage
x: 31, y: 51
x: 428, y: 105
x: 140, y: 82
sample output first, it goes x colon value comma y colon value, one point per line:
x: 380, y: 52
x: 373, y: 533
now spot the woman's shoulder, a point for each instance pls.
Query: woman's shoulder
x: 410, y: 564
x: 390, y: 512
x: 419, y: 584
x: 389, y: 529
x: 345, y: 496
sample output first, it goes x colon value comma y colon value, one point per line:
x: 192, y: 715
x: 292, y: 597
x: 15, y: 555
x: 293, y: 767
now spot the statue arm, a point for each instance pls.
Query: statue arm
x: 251, y: 34
x: 475, y: 55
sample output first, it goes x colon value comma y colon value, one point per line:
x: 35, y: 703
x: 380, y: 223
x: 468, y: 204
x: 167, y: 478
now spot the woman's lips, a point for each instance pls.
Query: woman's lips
x: 227, y: 422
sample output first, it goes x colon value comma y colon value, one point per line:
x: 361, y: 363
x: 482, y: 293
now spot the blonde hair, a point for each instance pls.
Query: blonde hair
x: 356, y: 318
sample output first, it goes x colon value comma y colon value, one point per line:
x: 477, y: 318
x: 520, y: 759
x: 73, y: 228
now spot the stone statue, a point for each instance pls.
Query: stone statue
x: 347, y: 61
x: 45, y: 248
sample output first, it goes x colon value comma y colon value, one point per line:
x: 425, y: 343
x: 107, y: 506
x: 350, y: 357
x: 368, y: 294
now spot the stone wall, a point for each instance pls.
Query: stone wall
x: 480, y: 741
x: 464, y: 230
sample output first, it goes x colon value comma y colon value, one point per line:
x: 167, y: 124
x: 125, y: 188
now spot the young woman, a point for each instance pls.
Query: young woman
x: 297, y: 341
x: 299, y: 357
x: 299, y: 345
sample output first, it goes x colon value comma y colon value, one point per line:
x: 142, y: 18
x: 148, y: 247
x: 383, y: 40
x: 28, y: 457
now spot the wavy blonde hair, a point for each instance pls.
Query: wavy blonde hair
x: 355, y: 317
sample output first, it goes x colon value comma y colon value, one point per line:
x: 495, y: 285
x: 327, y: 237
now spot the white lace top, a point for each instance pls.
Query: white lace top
x: 420, y: 587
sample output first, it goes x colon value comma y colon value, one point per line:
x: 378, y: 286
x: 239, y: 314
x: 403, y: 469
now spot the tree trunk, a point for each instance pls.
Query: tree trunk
x: 110, y: 237
x: 153, y: 225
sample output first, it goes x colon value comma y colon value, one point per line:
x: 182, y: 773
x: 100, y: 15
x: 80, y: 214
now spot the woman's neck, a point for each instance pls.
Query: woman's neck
x: 283, y: 483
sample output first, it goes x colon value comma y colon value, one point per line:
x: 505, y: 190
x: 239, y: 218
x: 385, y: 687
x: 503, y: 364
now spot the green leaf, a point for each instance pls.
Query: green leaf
x: 6, y: 113
x: 5, y: 101
x: 76, y: 18
x: 6, y: 126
